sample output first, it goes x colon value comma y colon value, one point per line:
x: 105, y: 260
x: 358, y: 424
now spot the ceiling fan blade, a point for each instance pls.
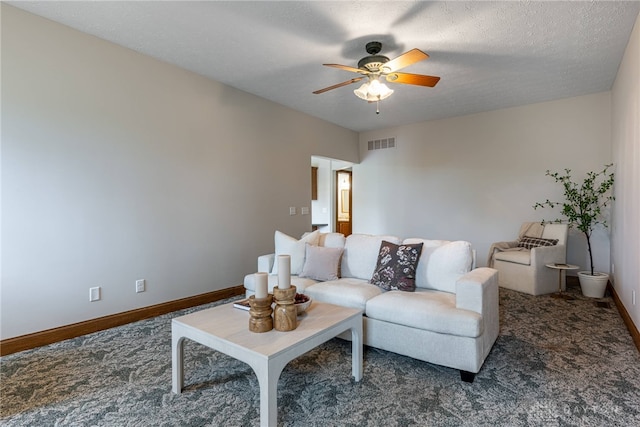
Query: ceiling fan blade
x: 412, y: 79
x: 348, y: 82
x: 347, y: 68
x: 404, y: 60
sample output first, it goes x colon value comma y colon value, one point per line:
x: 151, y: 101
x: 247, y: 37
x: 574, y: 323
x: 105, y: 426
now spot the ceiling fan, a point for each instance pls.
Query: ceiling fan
x: 378, y: 67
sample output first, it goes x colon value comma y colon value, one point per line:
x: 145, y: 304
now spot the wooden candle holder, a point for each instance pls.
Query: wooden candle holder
x: 260, y: 319
x: 285, y: 316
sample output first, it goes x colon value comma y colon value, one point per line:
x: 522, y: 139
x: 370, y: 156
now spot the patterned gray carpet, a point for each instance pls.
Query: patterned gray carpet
x: 556, y: 363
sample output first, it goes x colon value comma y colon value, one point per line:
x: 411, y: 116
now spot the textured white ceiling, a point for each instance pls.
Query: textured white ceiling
x: 489, y: 55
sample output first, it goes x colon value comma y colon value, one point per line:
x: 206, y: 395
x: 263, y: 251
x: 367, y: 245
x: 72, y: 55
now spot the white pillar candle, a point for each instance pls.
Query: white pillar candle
x: 284, y: 271
x: 261, y: 285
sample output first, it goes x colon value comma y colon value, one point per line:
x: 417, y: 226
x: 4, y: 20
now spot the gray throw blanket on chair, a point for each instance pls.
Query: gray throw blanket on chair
x: 529, y: 229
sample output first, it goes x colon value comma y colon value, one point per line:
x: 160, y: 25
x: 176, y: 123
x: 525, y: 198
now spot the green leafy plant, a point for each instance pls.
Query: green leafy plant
x: 583, y: 202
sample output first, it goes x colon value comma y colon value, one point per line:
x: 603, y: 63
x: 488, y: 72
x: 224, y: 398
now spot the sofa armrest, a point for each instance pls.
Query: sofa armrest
x: 478, y: 290
x: 543, y: 255
x: 265, y: 263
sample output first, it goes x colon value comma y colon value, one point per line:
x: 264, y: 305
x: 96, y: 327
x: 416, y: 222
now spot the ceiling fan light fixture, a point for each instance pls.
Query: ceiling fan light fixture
x: 379, y: 69
x: 373, y: 91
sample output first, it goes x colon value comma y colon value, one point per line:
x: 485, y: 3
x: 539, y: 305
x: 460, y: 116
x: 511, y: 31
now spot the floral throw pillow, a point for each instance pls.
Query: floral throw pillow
x: 396, y: 267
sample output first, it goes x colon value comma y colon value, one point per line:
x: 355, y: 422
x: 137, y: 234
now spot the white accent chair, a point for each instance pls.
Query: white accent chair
x: 525, y: 270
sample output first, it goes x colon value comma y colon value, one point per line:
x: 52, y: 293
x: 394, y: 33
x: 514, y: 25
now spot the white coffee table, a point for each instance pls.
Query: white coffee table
x: 226, y: 329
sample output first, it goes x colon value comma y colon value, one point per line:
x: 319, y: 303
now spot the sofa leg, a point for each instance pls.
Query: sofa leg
x: 467, y: 377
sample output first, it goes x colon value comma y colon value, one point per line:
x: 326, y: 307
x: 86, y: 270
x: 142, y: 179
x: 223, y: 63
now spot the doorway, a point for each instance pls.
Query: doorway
x: 343, y: 204
x: 326, y: 192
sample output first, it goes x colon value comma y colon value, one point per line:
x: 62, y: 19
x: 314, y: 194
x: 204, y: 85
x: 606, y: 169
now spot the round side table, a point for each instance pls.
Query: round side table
x: 560, y: 267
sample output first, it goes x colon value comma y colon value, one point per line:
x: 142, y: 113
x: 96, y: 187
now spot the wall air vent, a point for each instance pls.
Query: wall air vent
x: 380, y: 144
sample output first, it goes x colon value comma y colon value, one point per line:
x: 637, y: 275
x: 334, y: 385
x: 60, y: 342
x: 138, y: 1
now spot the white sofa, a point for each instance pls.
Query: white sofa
x: 451, y: 319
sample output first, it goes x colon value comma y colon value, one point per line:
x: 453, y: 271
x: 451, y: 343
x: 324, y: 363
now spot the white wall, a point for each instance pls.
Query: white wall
x: 477, y: 177
x: 321, y: 208
x: 625, y: 252
x: 117, y: 167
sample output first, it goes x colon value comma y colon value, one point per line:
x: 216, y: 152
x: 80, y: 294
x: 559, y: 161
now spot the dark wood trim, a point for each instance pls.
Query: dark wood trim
x: 314, y: 183
x: 572, y: 281
x: 626, y: 318
x: 49, y: 336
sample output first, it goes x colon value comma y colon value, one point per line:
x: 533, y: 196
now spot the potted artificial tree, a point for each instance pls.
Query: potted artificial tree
x: 582, y: 209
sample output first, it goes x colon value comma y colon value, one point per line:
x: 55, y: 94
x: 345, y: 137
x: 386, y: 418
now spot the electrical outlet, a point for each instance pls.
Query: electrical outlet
x: 633, y: 297
x: 94, y: 294
x: 140, y: 285
x: 292, y: 210
x: 304, y: 210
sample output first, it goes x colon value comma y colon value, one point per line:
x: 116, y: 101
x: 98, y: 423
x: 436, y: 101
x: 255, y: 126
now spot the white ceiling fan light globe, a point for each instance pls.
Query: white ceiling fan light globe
x: 375, y: 87
x: 363, y: 91
x: 385, y: 92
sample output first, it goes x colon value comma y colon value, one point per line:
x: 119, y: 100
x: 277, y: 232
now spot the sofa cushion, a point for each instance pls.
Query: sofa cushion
x: 346, y: 292
x: 425, y: 309
x: 331, y: 240
x: 518, y: 257
x: 529, y: 242
x: 321, y: 263
x: 396, y: 266
x: 442, y: 263
x: 428, y: 247
x: 361, y: 254
x: 287, y: 245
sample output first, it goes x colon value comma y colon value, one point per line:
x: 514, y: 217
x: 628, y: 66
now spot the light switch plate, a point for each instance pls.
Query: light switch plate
x: 94, y: 294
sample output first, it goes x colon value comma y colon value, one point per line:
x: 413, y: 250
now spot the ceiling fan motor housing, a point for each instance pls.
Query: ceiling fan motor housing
x: 374, y: 62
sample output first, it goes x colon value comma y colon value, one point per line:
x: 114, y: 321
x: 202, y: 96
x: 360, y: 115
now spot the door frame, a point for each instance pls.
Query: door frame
x: 341, y: 226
